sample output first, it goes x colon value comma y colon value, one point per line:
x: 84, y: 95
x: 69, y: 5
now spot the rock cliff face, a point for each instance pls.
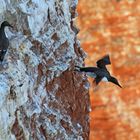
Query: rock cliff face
x: 41, y: 98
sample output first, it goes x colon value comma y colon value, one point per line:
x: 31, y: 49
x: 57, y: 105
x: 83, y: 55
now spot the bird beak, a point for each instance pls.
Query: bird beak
x: 119, y: 85
x: 115, y: 81
x: 10, y: 26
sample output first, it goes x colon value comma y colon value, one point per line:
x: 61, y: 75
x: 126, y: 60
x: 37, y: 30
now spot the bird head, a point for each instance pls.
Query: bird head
x: 6, y: 23
x: 115, y: 81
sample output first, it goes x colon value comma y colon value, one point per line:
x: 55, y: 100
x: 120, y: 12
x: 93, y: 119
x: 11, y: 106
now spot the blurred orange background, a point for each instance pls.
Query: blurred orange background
x: 113, y: 27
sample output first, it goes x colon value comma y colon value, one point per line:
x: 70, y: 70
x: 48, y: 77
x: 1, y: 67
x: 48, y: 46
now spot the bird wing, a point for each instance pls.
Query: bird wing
x: 86, y: 69
x: 4, y: 43
x: 3, y: 48
x: 103, y: 61
x: 2, y: 54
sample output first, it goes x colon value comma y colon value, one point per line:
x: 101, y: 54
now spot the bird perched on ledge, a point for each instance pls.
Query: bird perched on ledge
x: 100, y: 73
x: 4, y: 42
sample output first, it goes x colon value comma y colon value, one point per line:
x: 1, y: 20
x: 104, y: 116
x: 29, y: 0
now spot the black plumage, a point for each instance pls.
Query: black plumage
x: 103, y: 61
x: 100, y: 72
x: 4, y: 42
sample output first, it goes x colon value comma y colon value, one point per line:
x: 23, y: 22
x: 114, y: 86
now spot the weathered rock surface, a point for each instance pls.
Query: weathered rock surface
x: 113, y: 27
x: 41, y: 97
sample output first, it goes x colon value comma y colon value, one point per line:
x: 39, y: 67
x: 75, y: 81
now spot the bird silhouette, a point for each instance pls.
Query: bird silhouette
x: 100, y: 73
x: 4, y: 42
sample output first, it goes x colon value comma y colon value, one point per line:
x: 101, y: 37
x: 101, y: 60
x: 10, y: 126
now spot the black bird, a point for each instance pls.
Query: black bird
x: 4, y: 42
x: 100, y: 73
